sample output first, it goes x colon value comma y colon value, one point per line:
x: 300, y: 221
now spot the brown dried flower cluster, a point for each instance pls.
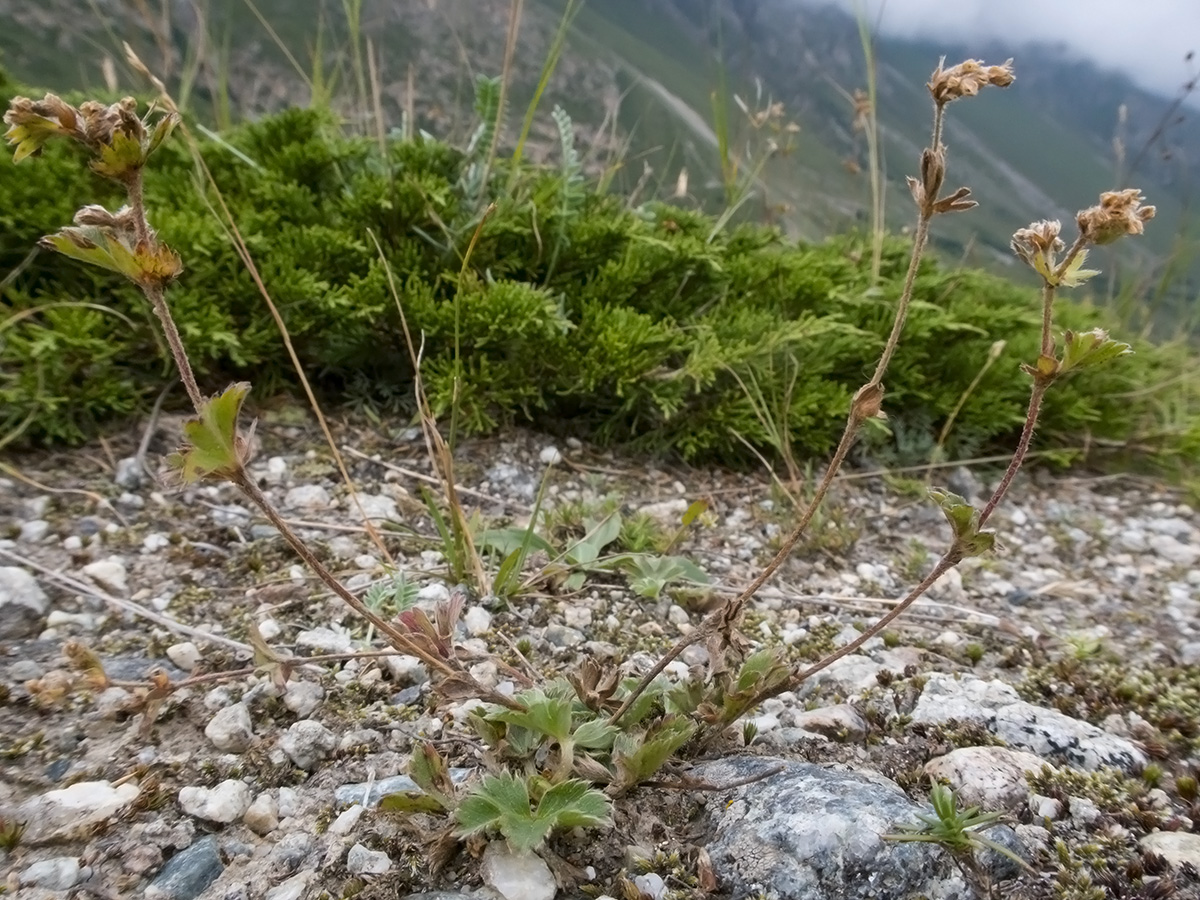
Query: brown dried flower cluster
x: 1038, y: 243
x: 965, y: 80
x: 118, y: 138
x: 93, y: 124
x: 1119, y: 213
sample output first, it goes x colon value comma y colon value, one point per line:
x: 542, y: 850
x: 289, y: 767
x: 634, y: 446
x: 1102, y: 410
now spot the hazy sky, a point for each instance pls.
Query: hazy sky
x: 1146, y: 39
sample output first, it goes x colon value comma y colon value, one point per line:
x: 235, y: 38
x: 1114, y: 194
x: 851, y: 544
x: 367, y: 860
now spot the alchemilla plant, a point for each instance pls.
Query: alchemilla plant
x: 558, y: 751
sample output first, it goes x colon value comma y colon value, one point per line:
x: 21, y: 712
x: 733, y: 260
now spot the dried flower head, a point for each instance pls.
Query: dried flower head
x: 31, y: 123
x: 120, y: 140
x: 1039, y: 246
x: 1119, y: 213
x: 965, y: 80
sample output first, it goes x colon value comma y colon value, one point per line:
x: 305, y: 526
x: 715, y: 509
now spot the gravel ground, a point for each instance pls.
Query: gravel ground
x: 1089, y: 609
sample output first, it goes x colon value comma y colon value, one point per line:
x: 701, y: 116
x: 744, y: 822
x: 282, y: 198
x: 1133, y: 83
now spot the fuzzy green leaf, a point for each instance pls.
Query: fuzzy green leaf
x: 550, y: 716
x: 1090, y: 348
x: 502, y: 802
x: 214, y: 448
x: 656, y: 747
x: 429, y: 770
x: 964, y: 521
x: 495, y: 798
x: 573, y: 804
x: 595, y: 734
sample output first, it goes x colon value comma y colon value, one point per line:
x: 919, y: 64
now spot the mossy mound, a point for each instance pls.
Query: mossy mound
x: 573, y: 312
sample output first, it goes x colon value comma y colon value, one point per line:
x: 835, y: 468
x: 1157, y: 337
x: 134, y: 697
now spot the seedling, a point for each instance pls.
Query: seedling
x: 960, y: 832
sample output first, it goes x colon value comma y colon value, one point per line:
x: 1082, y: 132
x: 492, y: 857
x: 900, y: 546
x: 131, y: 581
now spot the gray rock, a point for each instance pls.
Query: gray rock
x: 1189, y: 653
x: 75, y: 808
x: 108, y: 573
x: 188, y: 873
x: 277, y: 468
x: 307, y: 497
x: 58, y: 874
x: 185, y: 654
x: 378, y: 507
x: 33, y: 531
x: 357, y: 793
x: 512, y: 481
x: 838, y: 723
x: 292, y: 889
x: 1045, y: 732
x: 225, y: 803
x: 1174, y: 550
x: 517, y: 876
x: 851, y: 675
x: 290, y: 853
x: 1176, y: 847
x: 231, y: 730
x: 307, y: 743
x: 563, y: 636
x: 813, y: 833
x: 325, y: 640
x: 363, y: 861
x: 303, y: 697
x: 23, y: 604
x: 23, y: 670
x: 991, y: 777
x: 129, y: 473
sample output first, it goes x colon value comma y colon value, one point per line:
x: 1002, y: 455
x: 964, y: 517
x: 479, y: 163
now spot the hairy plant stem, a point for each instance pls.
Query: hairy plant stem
x: 159, y: 304
x: 1041, y: 383
x: 1040, y: 386
x: 154, y: 293
x: 724, y: 620
x: 949, y: 560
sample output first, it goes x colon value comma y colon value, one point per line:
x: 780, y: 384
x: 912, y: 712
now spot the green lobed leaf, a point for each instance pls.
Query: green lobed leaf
x: 964, y: 521
x: 1090, y: 348
x: 212, y: 449
x: 656, y: 747
x: 573, y: 804
x: 550, y: 716
x: 595, y: 734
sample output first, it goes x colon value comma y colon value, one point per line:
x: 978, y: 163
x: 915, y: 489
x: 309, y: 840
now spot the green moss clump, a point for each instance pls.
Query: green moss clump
x: 573, y: 312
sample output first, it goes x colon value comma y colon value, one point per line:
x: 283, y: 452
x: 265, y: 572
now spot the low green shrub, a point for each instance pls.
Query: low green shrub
x: 575, y: 313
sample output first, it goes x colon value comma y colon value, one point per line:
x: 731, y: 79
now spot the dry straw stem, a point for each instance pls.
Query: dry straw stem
x: 945, y: 85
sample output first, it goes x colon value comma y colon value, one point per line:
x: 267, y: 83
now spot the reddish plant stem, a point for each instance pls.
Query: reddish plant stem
x: 1040, y: 386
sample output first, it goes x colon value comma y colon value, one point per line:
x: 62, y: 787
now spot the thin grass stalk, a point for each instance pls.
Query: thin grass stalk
x: 874, y: 161
x: 510, y: 47
x: 548, y: 66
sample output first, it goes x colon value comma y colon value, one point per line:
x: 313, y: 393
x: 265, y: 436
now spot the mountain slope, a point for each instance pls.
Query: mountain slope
x: 639, y: 78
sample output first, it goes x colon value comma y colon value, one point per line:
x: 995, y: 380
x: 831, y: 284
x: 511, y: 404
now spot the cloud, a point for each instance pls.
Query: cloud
x: 1145, y: 39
